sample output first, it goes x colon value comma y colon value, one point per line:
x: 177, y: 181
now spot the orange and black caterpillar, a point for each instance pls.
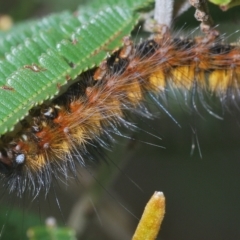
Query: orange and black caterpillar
x: 56, y: 137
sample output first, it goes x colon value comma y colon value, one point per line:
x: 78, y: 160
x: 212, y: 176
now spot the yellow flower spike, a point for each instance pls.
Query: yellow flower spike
x: 152, y: 218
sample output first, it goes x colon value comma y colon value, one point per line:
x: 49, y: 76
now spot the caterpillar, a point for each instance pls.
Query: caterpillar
x: 56, y: 136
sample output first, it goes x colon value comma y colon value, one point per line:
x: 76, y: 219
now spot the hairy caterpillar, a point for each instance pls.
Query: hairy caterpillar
x: 56, y: 134
x: 129, y: 90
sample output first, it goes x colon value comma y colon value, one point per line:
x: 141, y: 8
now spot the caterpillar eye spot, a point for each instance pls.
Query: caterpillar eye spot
x: 46, y: 145
x: 18, y: 148
x: 20, y: 159
x: 66, y: 130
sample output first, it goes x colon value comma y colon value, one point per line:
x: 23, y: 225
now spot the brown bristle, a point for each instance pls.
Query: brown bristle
x: 96, y: 105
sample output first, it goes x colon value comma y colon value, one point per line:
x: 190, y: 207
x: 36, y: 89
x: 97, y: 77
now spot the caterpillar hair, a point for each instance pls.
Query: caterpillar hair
x: 55, y: 137
x: 74, y: 130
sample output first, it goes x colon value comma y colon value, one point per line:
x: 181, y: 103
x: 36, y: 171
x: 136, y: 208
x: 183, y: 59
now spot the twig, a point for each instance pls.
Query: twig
x: 202, y: 14
x: 163, y: 12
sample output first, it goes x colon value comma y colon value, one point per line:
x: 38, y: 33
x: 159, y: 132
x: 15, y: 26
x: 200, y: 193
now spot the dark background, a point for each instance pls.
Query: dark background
x: 202, y: 189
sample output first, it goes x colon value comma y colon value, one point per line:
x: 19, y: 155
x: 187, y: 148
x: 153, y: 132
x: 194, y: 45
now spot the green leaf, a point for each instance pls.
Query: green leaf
x: 20, y: 32
x: 93, y: 6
